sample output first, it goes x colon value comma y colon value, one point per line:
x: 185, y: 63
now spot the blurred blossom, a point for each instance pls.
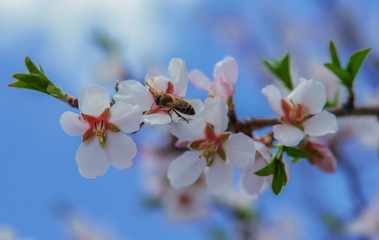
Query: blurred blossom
x: 366, y: 129
x: 7, y: 233
x: 80, y: 228
x: 367, y: 223
x: 187, y: 203
x: 179, y: 204
x: 236, y: 200
x: 112, y: 69
x: 334, y: 90
x: 285, y: 230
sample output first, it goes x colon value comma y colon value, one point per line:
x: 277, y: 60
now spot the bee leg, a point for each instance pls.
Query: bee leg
x: 151, y: 107
x: 180, y: 116
x: 170, y: 114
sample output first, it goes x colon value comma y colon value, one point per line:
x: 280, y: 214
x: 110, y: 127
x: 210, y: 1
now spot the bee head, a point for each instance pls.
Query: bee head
x: 158, y: 99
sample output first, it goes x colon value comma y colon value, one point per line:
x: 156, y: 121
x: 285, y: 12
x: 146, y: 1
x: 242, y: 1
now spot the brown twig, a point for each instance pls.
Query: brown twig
x: 71, y: 101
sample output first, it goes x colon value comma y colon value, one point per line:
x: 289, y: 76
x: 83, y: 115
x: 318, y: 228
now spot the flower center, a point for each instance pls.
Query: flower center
x: 154, y: 107
x: 294, y: 114
x: 211, y: 145
x: 98, y: 126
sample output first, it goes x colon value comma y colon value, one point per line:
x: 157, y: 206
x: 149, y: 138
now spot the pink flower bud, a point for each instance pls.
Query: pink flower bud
x: 322, y: 157
x: 222, y: 89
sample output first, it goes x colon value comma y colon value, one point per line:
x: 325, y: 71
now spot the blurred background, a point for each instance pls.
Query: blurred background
x: 77, y: 42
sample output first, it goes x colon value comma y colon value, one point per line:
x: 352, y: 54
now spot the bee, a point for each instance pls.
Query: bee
x: 171, y: 103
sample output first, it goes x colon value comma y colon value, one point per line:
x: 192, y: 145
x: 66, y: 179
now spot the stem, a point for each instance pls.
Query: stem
x: 70, y: 100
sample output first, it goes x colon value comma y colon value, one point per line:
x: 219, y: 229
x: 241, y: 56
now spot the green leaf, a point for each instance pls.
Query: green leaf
x: 297, y: 152
x: 32, y: 78
x: 355, y: 62
x: 280, y: 178
x: 342, y: 74
x: 55, y: 91
x: 268, y: 170
x: 32, y: 86
x: 348, y: 74
x: 271, y: 167
x: 281, y: 69
x: 295, y: 160
x: 31, y: 66
x: 334, y: 55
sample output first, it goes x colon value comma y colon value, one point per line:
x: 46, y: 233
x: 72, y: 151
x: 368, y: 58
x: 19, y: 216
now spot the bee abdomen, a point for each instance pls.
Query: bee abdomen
x: 189, y: 110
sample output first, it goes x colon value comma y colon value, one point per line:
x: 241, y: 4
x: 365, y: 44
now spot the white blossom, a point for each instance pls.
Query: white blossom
x: 301, y: 112
x: 133, y: 92
x: 212, y: 149
x: 101, y: 127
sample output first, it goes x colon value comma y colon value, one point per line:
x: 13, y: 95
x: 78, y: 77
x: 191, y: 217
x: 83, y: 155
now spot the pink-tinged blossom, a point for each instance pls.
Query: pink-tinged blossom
x: 101, y: 126
x: 322, y: 157
x: 252, y: 183
x: 212, y: 149
x: 301, y: 112
x: 225, y: 75
x: 133, y: 92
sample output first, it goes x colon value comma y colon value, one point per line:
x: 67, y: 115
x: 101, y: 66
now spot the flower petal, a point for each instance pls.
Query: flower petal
x: 216, y: 113
x: 188, y: 132
x: 126, y: 116
x: 226, y: 70
x: 198, y: 105
x: 310, y: 93
x: 159, y: 83
x: 185, y: 169
x: 199, y: 80
x: 120, y: 150
x: 274, y: 97
x: 240, y: 150
x: 222, y: 89
x: 93, y: 100
x: 179, y: 76
x: 133, y: 92
x: 219, y: 177
x: 91, y: 159
x: 328, y: 163
x: 252, y: 183
x: 288, y: 135
x: 263, y: 150
x: 72, y: 124
x: 159, y: 118
x: 321, y: 124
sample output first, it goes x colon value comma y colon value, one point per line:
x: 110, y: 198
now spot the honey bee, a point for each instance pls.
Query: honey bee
x: 171, y: 103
